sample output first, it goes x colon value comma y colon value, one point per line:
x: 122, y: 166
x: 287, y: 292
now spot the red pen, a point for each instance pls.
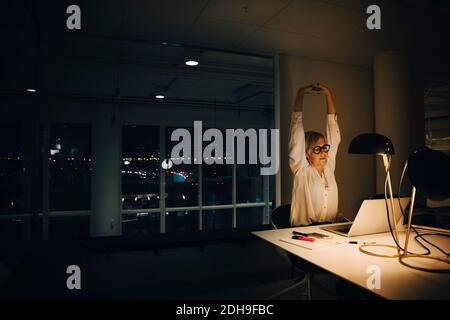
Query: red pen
x: 303, y: 238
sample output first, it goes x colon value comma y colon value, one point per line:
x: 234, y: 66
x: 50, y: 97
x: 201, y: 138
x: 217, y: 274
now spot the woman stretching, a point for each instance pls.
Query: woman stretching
x: 312, y: 159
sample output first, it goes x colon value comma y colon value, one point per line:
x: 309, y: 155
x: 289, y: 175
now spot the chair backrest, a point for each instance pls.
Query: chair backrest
x: 281, y: 217
x: 280, y: 220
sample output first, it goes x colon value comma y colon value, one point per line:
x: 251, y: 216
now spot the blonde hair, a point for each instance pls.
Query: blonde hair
x: 311, y: 137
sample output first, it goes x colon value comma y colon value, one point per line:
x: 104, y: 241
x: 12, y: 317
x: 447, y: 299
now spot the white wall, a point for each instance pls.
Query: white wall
x: 399, y: 112
x: 352, y: 89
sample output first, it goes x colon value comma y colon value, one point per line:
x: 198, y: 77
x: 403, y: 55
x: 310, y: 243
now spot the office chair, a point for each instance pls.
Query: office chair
x: 280, y: 220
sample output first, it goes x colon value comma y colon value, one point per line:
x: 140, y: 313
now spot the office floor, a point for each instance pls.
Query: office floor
x: 266, y: 272
x: 323, y: 288
x: 246, y: 287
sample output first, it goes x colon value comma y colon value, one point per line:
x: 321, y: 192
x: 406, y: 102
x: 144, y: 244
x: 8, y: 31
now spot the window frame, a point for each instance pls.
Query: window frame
x: 164, y: 210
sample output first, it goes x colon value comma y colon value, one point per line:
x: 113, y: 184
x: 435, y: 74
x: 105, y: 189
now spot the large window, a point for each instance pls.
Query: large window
x: 181, y: 180
x: 140, y: 179
x: 217, y: 180
x: 195, y: 196
x: 10, y: 169
x: 70, y: 167
x: 45, y: 157
x: 217, y: 184
x: 182, y: 220
x: 69, y: 180
x: 250, y: 184
x: 140, y: 167
x: 217, y: 219
x: 11, y: 183
x: 249, y: 217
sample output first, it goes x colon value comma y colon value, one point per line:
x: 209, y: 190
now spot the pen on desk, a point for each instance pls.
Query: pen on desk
x: 297, y: 233
x: 356, y: 242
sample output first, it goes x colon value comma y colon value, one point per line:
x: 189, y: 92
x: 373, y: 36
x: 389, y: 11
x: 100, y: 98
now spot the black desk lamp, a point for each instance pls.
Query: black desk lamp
x: 371, y: 143
x: 429, y: 173
x: 374, y: 143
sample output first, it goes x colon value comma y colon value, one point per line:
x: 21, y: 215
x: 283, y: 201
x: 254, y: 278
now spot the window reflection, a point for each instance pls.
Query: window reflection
x: 181, y: 180
x: 70, y: 167
x: 10, y: 169
x: 181, y: 221
x: 249, y: 183
x: 217, y: 184
x: 249, y: 217
x: 217, y: 180
x: 140, y: 167
x: 141, y: 223
x: 217, y: 219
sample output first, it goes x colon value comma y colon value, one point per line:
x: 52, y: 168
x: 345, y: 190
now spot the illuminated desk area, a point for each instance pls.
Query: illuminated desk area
x: 344, y: 260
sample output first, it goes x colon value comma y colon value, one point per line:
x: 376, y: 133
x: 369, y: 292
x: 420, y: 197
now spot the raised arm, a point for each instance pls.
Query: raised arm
x: 331, y: 107
x: 297, y: 155
x: 333, y: 133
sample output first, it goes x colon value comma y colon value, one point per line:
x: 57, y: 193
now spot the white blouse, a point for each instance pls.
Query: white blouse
x: 314, y: 197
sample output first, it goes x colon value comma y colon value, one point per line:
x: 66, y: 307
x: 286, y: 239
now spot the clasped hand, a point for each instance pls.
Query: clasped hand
x: 318, y: 88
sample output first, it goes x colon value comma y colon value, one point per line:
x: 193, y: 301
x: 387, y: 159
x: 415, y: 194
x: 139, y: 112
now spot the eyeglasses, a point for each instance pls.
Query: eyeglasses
x: 319, y: 149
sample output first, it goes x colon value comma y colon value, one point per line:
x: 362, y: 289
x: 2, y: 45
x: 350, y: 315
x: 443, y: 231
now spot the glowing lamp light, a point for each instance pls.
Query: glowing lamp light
x: 191, y: 63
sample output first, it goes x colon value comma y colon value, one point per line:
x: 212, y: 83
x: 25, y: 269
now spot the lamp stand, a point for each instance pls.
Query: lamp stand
x: 391, y: 196
x: 408, y: 228
x: 422, y: 256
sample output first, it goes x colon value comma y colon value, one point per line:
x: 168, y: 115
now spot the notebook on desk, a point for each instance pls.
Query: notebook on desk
x: 371, y: 218
x: 316, y: 245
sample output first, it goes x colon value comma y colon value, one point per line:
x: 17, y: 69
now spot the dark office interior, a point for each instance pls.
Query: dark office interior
x: 87, y: 113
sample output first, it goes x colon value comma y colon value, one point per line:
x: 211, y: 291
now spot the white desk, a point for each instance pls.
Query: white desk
x: 346, y: 261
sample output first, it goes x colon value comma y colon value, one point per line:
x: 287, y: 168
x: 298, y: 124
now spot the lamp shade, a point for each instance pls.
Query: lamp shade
x: 429, y: 172
x: 371, y: 143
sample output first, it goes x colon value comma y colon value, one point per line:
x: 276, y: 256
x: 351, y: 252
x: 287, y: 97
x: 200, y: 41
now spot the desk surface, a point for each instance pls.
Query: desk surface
x: 346, y: 261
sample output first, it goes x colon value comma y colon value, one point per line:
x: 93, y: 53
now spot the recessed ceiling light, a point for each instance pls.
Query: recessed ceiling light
x: 159, y: 96
x: 191, y: 63
x: 31, y: 90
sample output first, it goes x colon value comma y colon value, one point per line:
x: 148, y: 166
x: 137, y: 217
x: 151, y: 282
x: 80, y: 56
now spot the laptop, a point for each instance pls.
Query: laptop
x: 371, y: 218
